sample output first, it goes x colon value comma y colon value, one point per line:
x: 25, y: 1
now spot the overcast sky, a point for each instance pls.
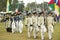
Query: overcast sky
x: 37, y: 1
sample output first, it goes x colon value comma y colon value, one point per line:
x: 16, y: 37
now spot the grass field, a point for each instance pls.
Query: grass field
x: 17, y: 36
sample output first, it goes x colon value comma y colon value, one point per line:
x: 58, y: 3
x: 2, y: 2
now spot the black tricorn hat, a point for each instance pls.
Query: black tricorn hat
x: 50, y: 13
x: 8, y: 13
x: 34, y: 12
x: 41, y: 13
x: 27, y: 14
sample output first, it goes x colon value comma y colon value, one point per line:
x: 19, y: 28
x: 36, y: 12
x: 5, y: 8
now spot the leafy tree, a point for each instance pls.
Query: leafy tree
x: 21, y: 6
x: 3, y: 5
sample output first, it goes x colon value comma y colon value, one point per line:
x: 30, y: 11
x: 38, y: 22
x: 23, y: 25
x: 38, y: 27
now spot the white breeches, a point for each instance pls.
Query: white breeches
x: 43, y: 30
x: 35, y: 29
x: 13, y: 27
x: 50, y: 31
x: 17, y: 26
x: 29, y: 29
x: 20, y: 26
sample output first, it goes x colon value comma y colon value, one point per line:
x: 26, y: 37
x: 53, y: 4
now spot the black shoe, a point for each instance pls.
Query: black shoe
x: 51, y: 39
x: 42, y: 39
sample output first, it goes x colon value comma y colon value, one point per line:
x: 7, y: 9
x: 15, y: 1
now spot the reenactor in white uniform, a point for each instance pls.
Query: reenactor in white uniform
x: 29, y: 23
x: 41, y: 24
x: 13, y: 23
x: 17, y: 22
x: 20, y: 22
x: 34, y: 22
x: 50, y: 24
x: 13, y: 26
x: 8, y: 22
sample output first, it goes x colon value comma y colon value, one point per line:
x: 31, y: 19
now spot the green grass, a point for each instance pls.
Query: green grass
x: 17, y: 36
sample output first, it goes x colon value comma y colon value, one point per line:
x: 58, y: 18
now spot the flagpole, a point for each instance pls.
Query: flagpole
x: 7, y: 9
x: 23, y: 3
x: 12, y: 1
x: 35, y: 5
x: 43, y: 6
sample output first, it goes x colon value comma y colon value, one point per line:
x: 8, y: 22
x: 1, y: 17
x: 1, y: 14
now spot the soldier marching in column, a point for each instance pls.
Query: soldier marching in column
x: 29, y: 23
x: 50, y: 25
x: 35, y: 26
x: 41, y: 24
